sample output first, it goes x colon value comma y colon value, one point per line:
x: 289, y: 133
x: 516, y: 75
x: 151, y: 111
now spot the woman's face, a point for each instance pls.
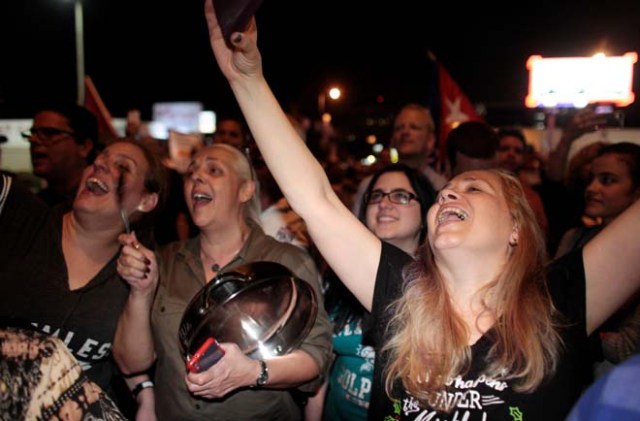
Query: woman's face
x: 611, y: 189
x: 471, y: 212
x: 395, y: 223
x: 213, y: 190
x: 99, y: 187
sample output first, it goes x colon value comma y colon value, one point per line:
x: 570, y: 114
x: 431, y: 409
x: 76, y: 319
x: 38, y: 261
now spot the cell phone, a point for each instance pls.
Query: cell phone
x: 207, y: 355
x: 234, y: 15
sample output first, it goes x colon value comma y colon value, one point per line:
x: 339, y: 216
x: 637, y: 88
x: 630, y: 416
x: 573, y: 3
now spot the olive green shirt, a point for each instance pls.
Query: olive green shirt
x: 181, y: 278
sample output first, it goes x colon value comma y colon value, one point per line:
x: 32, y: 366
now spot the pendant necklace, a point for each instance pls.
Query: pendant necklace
x: 216, y: 266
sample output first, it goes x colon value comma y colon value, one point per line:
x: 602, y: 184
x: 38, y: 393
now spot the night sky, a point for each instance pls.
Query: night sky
x: 139, y: 51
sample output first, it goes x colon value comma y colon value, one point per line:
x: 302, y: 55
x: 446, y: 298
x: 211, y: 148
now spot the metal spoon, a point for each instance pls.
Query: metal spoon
x: 123, y: 212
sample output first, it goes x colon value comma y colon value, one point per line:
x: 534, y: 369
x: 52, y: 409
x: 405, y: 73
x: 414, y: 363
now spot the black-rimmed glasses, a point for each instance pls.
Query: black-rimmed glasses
x: 47, y: 135
x: 399, y: 197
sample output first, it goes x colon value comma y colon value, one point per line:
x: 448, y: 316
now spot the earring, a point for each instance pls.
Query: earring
x: 513, y: 243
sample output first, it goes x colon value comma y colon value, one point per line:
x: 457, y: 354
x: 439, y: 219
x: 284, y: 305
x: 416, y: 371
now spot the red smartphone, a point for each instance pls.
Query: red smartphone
x: 207, y: 355
x: 234, y: 15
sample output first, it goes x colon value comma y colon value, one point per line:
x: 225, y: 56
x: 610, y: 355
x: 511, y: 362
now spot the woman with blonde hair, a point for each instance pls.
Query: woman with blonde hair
x: 220, y: 192
x: 479, y: 328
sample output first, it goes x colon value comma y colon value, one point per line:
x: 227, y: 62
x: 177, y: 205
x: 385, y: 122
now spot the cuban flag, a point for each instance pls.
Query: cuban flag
x: 450, y: 105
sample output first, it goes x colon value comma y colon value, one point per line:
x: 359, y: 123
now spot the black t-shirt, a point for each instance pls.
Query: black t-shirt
x: 475, y: 396
x: 34, y: 287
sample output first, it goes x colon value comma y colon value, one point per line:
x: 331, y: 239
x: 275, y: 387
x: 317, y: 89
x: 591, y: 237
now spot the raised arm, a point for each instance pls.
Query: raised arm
x: 349, y: 248
x: 583, y: 122
x: 612, y: 266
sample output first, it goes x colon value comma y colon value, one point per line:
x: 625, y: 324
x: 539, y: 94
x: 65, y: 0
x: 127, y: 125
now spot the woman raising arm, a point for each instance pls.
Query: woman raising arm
x: 354, y: 257
x: 480, y: 327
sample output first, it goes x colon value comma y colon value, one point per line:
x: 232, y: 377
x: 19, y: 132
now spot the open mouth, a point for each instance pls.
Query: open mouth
x: 451, y: 214
x: 97, y: 186
x: 200, y: 198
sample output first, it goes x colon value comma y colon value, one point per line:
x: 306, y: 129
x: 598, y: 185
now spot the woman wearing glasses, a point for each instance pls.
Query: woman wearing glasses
x: 394, y: 207
x: 478, y: 327
x: 220, y: 192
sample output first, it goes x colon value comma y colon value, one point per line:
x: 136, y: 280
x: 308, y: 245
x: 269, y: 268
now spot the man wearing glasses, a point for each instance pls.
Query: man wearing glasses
x: 63, y: 141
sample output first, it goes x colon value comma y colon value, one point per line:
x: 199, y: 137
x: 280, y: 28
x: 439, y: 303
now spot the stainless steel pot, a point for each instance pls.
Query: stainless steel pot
x: 260, y: 306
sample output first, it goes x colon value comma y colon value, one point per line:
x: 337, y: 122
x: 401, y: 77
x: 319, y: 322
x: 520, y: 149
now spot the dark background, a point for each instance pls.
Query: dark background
x: 139, y: 51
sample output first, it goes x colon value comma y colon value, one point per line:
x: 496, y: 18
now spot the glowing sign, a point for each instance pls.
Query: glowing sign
x: 578, y: 81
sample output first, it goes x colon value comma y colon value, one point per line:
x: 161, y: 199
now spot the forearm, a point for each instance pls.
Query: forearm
x: 291, y: 370
x: 142, y: 389
x: 345, y: 243
x: 133, y: 347
x: 557, y: 160
x: 612, y: 255
x: 302, y: 180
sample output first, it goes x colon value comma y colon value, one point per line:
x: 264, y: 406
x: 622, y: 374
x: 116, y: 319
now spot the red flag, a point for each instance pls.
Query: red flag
x: 455, y: 106
x: 93, y: 103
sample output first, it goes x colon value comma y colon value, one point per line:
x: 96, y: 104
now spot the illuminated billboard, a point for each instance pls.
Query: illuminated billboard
x: 578, y: 81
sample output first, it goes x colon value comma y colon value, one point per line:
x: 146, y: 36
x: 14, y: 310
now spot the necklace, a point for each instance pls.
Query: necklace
x: 215, y: 267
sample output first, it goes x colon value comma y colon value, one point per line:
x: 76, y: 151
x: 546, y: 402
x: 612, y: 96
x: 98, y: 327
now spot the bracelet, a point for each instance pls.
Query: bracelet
x: 264, y: 374
x: 140, y: 387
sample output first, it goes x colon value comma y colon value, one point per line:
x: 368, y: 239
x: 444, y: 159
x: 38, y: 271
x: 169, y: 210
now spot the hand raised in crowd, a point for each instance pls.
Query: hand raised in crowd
x: 240, y: 59
x: 584, y: 121
x: 137, y: 265
x: 233, y: 371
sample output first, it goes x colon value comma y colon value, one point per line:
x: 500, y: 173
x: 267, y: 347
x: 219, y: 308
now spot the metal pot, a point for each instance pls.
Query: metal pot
x: 260, y: 306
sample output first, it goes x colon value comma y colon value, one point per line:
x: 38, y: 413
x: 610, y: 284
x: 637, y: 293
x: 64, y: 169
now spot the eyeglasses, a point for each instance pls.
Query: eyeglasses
x: 47, y: 135
x: 399, y: 197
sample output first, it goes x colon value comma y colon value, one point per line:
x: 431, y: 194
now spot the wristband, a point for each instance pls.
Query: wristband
x: 140, y: 387
x: 264, y: 374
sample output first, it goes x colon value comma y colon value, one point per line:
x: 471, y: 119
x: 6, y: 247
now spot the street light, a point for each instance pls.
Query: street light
x: 79, y: 49
x: 334, y: 93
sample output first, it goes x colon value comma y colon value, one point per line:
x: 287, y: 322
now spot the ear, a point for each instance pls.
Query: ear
x: 85, y: 148
x: 148, y: 203
x: 247, y: 190
x: 513, y: 237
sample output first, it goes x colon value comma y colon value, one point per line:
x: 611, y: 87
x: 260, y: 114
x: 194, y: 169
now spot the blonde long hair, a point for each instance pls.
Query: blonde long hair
x: 429, y: 343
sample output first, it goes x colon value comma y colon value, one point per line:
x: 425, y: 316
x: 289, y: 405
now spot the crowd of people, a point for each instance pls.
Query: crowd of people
x: 488, y: 283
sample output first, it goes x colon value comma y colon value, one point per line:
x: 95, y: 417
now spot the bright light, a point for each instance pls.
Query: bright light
x: 577, y: 81
x: 326, y: 118
x: 393, y: 155
x: 369, y: 160
x: 372, y: 139
x: 207, y: 122
x: 333, y: 93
